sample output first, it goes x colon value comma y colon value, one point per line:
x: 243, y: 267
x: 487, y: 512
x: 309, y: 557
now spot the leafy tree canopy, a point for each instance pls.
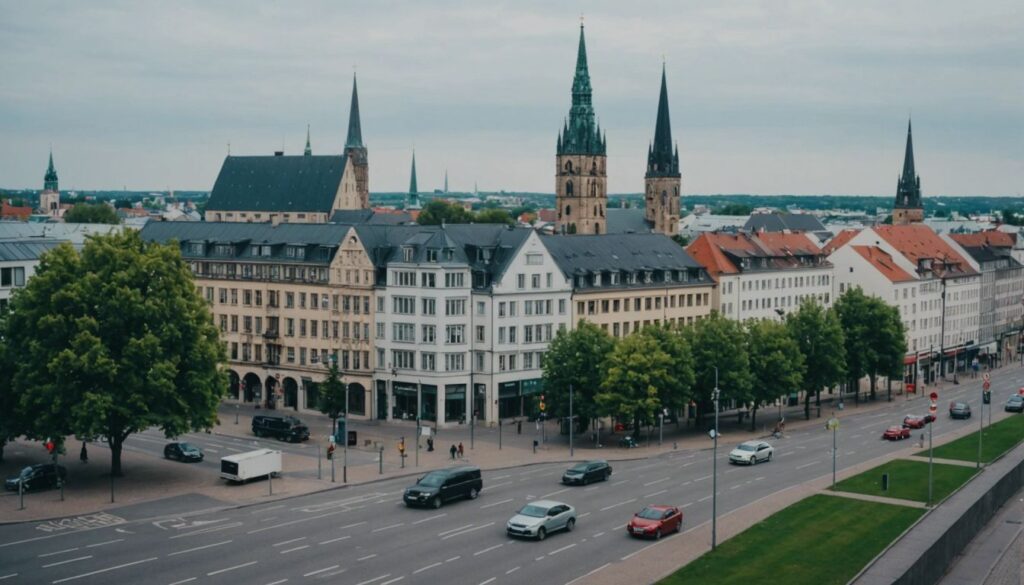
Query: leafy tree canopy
x: 873, y: 330
x: 734, y: 209
x: 819, y: 335
x: 576, y: 357
x: 332, y: 396
x: 776, y: 364
x: 719, y: 342
x: 439, y: 211
x: 91, y: 213
x: 112, y: 341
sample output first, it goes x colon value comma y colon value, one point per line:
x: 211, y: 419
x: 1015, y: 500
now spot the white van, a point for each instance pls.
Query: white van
x: 245, y: 466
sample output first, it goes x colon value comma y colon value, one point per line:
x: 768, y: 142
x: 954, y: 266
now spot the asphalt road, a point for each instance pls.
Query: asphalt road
x: 364, y: 535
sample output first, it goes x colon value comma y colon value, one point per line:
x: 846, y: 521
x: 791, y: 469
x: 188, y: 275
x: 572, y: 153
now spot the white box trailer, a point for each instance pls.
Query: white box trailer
x: 246, y: 466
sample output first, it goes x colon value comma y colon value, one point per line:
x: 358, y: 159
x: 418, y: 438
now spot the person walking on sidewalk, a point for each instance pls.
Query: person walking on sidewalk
x: 83, y: 455
x: 461, y: 451
x: 453, y: 450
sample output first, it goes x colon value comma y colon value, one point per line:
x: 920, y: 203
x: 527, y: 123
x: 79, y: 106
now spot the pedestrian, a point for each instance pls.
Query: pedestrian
x: 430, y: 444
x: 84, y: 455
x: 453, y: 450
x: 519, y: 427
x: 461, y: 451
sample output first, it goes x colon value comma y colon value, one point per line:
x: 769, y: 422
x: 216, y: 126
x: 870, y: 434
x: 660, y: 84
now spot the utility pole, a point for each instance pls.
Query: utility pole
x: 344, y: 460
x: 981, y: 425
x: 571, y: 452
x: 714, y: 473
x: 419, y: 414
x: 930, y: 463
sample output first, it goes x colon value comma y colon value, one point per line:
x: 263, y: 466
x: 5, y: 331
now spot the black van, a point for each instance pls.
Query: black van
x: 442, y: 485
x: 284, y: 428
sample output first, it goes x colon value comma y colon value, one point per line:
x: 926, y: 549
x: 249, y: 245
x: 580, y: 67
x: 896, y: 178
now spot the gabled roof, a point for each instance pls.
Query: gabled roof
x: 883, y: 262
x: 20, y: 250
x: 839, y: 240
x: 778, y: 222
x: 256, y: 233
x: 782, y: 244
x: 724, y: 253
x: 624, y: 221
x: 917, y: 242
x: 278, y: 183
x: 370, y: 216
x: 993, y: 238
x: 585, y: 254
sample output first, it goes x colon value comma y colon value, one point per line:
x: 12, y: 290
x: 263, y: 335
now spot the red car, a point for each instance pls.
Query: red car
x: 896, y: 433
x: 912, y: 421
x: 654, y: 521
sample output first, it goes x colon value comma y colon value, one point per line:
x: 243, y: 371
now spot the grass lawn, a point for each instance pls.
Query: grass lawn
x: 997, y: 439
x: 908, y: 480
x: 822, y: 539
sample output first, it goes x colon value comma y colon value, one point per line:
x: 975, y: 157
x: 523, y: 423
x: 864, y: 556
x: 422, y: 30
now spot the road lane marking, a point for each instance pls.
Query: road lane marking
x: 441, y: 515
x: 650, y: 483
x: 488, y: 549
x: 619, y: 504
x: 496, y: 503
x: 621, y: 481
x: 467, y: 531
x: 104, y: 543
x: 497, y: 485
x: 395, y: 580
x: 704, y: 499
x: 430, y: 566
x: 491, y: 580
x: 60, y: 552
x: 289, y: 523
x: 278, y: 582
x: 207, y: 530
x: 512, y: 570
x: 2, y: 577
x: 564, y: 548
x: 290, y: 541
x: 383, y: 528
x: 351, y: 525
x: 284, y: 552
x: 703, y: 478
x: 98, y: 571
x: 502, y: 477
x: 242, y: 566
x: 67, y: 561
x: 686, y: 505
x: 268, y: 519
x: 584, y: 515
x: 262, y: 510
x: 453, y: 559
x: 758, y: 478
x: 598, y: 534
x: 454, y: 530
x: 546, y: 496
x: 588, y: 574
x: 189, y: 580
x: 799, y: 467
x: 737, y: 486
x: 368, y: 581
x: 655, y: 494
x: 331, y: 568
x: 188, y: 550
x: 335, y: 539
x: 367, y: 557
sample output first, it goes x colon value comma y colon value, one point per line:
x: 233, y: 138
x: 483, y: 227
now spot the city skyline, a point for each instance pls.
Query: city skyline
x: 150, y: 98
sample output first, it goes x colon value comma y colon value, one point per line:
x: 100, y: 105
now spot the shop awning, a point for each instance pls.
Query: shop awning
x: 992, y: 347
x: 910, y: 359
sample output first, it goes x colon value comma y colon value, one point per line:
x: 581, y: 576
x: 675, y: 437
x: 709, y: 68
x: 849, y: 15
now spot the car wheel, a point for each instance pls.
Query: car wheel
x: 541, y: 533
x: 770, y: 457
x: 657, y: 534
x: 585, y: 480
x: 473, y: 493
x: 679, y: 526
x: 607, y: 475
x: 436, y: 502
x: 570, y: 525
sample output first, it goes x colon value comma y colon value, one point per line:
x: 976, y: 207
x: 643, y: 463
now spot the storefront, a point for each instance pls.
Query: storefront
x: 405, y: 399
x: 454, y: 402
x: 519, y: 397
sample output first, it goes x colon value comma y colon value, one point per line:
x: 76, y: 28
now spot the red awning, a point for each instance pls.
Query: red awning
x: 910, y: 359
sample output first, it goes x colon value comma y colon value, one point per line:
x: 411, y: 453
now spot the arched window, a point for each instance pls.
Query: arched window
x: 593, y: 188
x: 597, y: 228
x: 568, y: 167
x: 568, y: 188
x: 593, y: 168
x: 568, y: 210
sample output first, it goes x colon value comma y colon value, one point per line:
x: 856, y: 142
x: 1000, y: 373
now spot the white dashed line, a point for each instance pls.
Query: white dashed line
x: 331, y: 568
x: 335, y: 539
x: 430, y: 518
x: 243, y: 565
x: 655, y: 494
x: 367, y: 557
x: 284, y: 552
x: 389, y: 527
x: 564, y: 548
x: 430, y: 566
x: 188, y: 550
x: 66, y: 562
x: 496, y: 503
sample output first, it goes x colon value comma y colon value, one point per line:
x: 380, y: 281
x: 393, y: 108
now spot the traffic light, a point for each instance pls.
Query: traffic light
x: 50, y: 446
x: 542, y: 406
x: 929, y: 418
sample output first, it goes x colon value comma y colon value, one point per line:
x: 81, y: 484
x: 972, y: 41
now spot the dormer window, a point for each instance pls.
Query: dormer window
x: 196, y: 248
x: 614, y: 278
x: 449, y: 254
x: 297, y: 252
x: 631, y: 279
x: 223, y: 250
x: 431, y: 255
x: 407, y: 253
x: 667, y: 275
x: 647, y: 276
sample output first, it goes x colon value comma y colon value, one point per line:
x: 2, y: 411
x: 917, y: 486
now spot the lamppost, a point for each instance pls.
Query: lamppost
x: 714, y: 472
x: 419, y: 415
x: 344, y: 460
x: 470, y: 401
x: 571, y: 452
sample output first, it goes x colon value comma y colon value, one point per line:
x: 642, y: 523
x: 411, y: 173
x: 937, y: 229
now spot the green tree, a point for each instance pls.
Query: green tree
x: 677, y: 390
x: 819, y: 335
x: 493, y: 216
x: 439, y: 211
x: 91, y: 213
x: 734, y: 209
x: 576, y: 357
x: 332, y: 396
x: 875, y: 340
x: 1011, y: 217
x: 776, y: 364
x: 114, y: 340
x: 717, y: 342
x: 11, y: 420
x: 681, y: 240
x: 639, y: 374
x: 123, y: 204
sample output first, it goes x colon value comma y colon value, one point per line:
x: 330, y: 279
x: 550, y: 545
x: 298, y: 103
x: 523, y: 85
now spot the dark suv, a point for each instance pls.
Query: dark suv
x: 442, y: 485
x: 38, y: 476
x: 284, y: 428
x: 586, y: 472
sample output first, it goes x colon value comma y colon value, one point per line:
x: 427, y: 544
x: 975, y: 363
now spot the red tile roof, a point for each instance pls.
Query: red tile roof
x: 7, y: 211
x: 839, y: 240
x: 883, y: 262
x: 713, y: 250
x: 993, y: 238
x: 918, y: 241
x: 547, y: 215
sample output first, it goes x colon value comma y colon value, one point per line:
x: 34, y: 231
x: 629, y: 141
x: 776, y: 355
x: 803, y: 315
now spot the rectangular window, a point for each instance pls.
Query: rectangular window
x: 454, y: 362
x: 520, y: 281
x: 247, y: 324
x: 429, y: 334
x: 302, y: 327
x: 535, y: 281
x: 289, y: 327
x: 404, y: 332
x: 453, y: 280
x: 429, y: 306
x: 534, y: 259
x: 512, y: 308
x: 501, y: 309
x: 480, y: 333
x: 428, y: 280
x: 403, y: 359
x: 454, y: 334
x: 561, y: 306
x: 454, y: 307
x: 481, y: 308
x: 289, y: 300
x: 403, y: 305
x: 405, y: 278
x: 512, y: 334
x: 428, y: 361
x: 312, y: 328
x: 234, y: 323
x: 380, y: 331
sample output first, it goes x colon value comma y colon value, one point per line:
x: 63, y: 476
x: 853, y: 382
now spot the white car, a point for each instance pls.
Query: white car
x: 751, y: 452
x: 540, y: 518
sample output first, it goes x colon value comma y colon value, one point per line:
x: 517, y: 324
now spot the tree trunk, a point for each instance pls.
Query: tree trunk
x: 753, y: 417
x: 888, y: 384
x: 873, y: 379
x: 856, y: 392
x: 807, y: 405
x: 116, y: 445
x: 3, y: 443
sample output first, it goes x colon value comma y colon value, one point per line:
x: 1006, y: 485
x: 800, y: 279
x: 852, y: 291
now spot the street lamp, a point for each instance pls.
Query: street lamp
x: 571, y: 452
x: 714, y: 472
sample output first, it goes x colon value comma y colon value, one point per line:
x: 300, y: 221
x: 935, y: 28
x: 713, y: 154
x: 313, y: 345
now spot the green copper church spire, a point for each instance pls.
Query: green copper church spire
x: 50, y: 179
x: 355, y: 131
x: 309, y: 149
x: 908, y: 188
x: 414, y: 195
x: 581, y: 134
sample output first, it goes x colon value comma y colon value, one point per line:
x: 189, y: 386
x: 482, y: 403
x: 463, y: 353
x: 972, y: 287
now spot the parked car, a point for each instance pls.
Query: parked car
x: 36, y: 477
x: 655, y: 521
x: 540, y: 518
x: 896, y: 433
x: 751, y: 452
x: 629, y: 441
x: 443, y: 485
x: 284, y: 428
x: 959, y: 410
x: 586, y: 472
x: 1015, y: 404
x: 186, y: 452
x: 913, y: 421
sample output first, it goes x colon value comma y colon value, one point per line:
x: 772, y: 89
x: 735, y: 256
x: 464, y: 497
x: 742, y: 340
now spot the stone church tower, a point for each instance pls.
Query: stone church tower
x: 908, y: 208
x: 663, y: 180
x: 581, y: 179
x: 49, y: 199
x: 357, y: 158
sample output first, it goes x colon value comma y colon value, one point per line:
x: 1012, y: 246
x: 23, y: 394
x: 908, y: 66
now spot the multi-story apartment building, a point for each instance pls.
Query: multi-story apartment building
x: 460, y: 307
x: 287, y: 299
x: 625, y: 282
x: 764, y: 275
x: 1002, y: 290
x: 19, y: 258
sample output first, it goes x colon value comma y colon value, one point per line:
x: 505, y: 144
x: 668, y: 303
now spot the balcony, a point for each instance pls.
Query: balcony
x: 270, y: 334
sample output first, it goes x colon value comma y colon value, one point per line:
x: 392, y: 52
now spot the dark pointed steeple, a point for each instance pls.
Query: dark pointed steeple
x: 908, y: 189
x: 50, y: 179
x: 355, y: 131
x: 309, y: 149
x: 414, y: 194
x: 662, y: 156
x: 581, y: 134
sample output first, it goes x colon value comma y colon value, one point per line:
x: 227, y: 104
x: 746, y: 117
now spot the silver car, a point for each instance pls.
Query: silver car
x: 540, y: 518
x: 750, y: 452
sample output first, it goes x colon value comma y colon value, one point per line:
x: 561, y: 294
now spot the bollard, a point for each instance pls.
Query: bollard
x: 21, y: 495
x: 885, y: 482
x: 270, y: 483
x: 380, y: 461
x: 319, y: 464
x: 535, y: 446
x: 332, y: 469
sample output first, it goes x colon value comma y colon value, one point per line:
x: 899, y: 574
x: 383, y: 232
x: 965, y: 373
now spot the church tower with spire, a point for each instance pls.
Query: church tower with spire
x: 355, y: 188
x: 49, y: 199
x: 908, y: 208
x: 581, y: 179
x: 663, y: 179
x: 413, y: 201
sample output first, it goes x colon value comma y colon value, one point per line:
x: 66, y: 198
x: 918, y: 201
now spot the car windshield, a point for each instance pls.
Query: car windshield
x: 1016, y: 398
x: 534, y: 511
x: 650, y: 514
x: 26, y: 471
x: 579, y: 467
x: 189, y: 448
x: 746, y: 447
x: 895, y: 429
x: 431, y: 480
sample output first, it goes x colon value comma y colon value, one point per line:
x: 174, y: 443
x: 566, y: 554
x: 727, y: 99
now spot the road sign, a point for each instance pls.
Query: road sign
x: 934, y: 396
x: 1021, y: 391
x: 986, y: 385
x: 832, y: 424
x: 933, y: 408
x: 986, y: 376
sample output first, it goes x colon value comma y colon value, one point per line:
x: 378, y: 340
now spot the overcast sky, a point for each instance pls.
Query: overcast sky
x: 766, y: 97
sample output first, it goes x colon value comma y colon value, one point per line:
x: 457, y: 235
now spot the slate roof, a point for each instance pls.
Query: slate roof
x: 370, y: 216
x: 76, y: 233
x: 21, y: 250
x: 278, y: 183
x: 627, y: 221
x: 578, y: 255
x: 779, y: 222
x: 242, y: 235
